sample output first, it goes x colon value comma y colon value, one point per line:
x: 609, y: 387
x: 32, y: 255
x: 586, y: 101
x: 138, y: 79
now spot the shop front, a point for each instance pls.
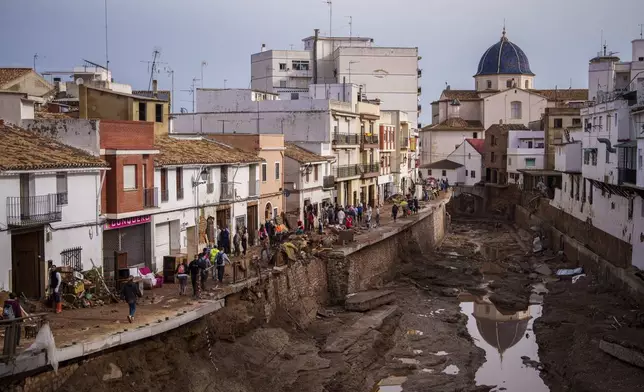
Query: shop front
x: 385, y: 187
x: 131, y: 236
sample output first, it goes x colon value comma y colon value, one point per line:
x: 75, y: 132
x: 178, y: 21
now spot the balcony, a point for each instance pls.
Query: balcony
x: 345, y: 139
x: 253, y: 188
x: 368, y: 110
x: 227, y: 191
x: 150, y: 197
x: 404, y: 143
x: 328, y: 182
x: 627, y: 176
x: 33, y: 210
x: 164, y: 195
x: 346, y: 171
x: 420, y: 72
x: 369, y: 141
x: 369, y: 170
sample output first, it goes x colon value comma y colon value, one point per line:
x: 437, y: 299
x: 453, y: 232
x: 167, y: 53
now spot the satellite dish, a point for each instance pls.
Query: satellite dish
x: 79, y: 81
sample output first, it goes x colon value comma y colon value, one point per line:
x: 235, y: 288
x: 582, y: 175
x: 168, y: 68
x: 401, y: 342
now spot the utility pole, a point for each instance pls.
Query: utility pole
x: 203, y: 64
x: 107, y: 58
x: 350, y: 27
x: 170, y: 72
x: 35, y: 58
x: 641, y: 31
x: 330, y: 3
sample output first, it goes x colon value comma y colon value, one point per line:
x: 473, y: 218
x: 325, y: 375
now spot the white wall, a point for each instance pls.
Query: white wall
x: 438, y: 145
x: 498, y: 107
x: 11, y: 108
x: 467, y: 155
x: 568, y: 157
x: 517, y: 159
x: 79, y: 133
x: 266, y: 74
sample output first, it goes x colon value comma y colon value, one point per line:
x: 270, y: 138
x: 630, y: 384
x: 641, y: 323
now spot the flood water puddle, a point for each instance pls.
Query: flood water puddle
x: 505, y: 338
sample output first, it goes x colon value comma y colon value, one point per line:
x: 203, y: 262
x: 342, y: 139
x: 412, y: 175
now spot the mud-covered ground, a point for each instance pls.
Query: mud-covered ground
x: 427, y: 343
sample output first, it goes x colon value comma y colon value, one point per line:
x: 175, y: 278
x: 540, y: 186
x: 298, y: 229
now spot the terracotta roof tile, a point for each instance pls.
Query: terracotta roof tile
x: 198, y: 151
x: 26, y: 150
x: 163, y: 95
x: 478, y: 144
x: 442, y: 164
x: 507, y: 127
x: 9, y: 74
x: 580, y: 94
x: 455, y: 124
x: 302, y: 155
x: 461, y: 95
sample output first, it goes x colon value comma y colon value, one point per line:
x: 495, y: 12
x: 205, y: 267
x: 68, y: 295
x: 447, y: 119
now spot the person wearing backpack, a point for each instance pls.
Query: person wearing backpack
x: 220, y: 262
x: 182, y: 276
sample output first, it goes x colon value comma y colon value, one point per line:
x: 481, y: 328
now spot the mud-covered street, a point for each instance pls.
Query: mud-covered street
x: 481, y: 313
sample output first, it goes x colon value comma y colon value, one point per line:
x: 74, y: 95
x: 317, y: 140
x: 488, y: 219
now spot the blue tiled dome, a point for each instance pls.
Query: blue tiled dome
x: 504, y: 57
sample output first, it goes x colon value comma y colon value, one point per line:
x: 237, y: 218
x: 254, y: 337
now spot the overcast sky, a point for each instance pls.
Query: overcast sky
x: 559, y: 36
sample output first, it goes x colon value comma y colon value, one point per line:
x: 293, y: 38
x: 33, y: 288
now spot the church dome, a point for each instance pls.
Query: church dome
x: 504, y: 57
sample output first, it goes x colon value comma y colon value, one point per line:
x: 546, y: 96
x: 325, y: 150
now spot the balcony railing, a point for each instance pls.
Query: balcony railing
x: 345, y: 139
x: 347, y: 171
x: 404, y: 143
x: 150, y: 197
x: 627, y: 175
x: 61, y: 198
x: 227, y: 191
x: 33, y: 210
x: 370, y: 140
x: 370, y: 169
x: 179, y: 193
x: 328, y: 182
x: 253, y: 188
x: 164, y: 194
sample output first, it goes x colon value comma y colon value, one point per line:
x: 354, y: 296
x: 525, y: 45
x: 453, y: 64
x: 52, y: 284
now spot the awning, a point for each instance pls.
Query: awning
x: 630, y: 143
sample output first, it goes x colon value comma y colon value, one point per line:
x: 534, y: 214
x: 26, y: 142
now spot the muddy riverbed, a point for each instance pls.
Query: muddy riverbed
x: 475, y: 315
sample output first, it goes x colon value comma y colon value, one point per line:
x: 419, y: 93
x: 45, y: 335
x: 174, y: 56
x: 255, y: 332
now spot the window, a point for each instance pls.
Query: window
x: 72, y: 258
x: 129, y: 177
x: 475, y: 135
x: 558, y: 123
x: 590, y: 193
x: 593, y: 157
x: 509, y: 161
x: 576, y: 122
x: 362, y: 128
x: 308, y: 175
x: 277, y: 170
x: 586, y: 157
x: 143, y: 115
x: 158, y: 113
x: 489, y: 84
x: 370, y: 127
x: 164, y: 184
x: 515, y: 109
x: 282, y: 83
x: 469, y: 155
x: 315, y: 172
x: 492, y: 157
x: 601, y: 122
x: 300, y: 65
x: 144, y: 169
x: 264, y: 172
x: 465, y: 172
x: 282, y: 66
x: 615, y: 122
x: 444, y: 173
x: 639, y: 158
x: 295, y: 96
x: 179, y: 174
x: 572, y: 187
x: 61, y: 188
x: 583, y: 192
x: 472, y: 174
x: 527, y: 84
x: 508, y: 83
x: 493, y: 140
x: 577, y: 178
x: 530, y: 162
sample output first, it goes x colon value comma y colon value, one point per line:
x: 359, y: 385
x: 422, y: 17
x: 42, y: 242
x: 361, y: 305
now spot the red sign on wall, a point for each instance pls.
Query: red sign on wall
x: 126, y: 222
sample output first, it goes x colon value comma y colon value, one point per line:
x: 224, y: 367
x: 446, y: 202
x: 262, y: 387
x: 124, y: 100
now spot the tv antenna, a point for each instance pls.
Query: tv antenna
x: 350, y: 27
x: 203, y: 64
x: 191, y: 91
x: 641, y: 31
x: 35, y: 58
x: 170, y: 72
x: 330, y: 3
x: 153, y: 67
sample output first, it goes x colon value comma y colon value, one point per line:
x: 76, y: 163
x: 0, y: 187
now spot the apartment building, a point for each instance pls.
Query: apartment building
x: 525, y: 151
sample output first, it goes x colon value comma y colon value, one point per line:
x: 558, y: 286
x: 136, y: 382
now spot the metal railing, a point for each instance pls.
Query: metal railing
x: 253, y: 188
x: 404, y: 142
x: 369, y: 168
x: 369, y: 139
x: 179, y: 193
x: 227, y: 191
x: 33, y: 210
x: 164, y: 195
x: 627, y: 175
x: 150, y: 197
x: 345, y: 139
x: 347, y: 171
x: 328, y: 182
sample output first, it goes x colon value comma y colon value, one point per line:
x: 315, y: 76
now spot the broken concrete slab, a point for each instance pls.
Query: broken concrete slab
x: 627, y: 347
x: 344, y: 339
x: 368, y: 300
x: 543, y: 270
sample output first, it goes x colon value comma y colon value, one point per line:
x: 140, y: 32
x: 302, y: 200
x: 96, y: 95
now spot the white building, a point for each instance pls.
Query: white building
x: 525, y: 151
x: 603, y: 187
x: 389, y: 74
x: 445, y: 169
x: 307, y: 179
x: 504, y: 93
x: 49, y: 211
x: 15, y: 107
x: 470, y: 154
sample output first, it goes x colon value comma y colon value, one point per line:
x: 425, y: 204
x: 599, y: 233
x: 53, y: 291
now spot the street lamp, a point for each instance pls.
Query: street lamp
x: 196, y: 181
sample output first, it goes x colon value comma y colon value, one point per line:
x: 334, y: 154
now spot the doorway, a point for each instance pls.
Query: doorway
x: 251, y: 213
x: 27, y: 264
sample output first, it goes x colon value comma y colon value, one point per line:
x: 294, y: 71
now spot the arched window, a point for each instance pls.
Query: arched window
x: 527, y: 84
x: 515, y: 109
x: 489, y: 84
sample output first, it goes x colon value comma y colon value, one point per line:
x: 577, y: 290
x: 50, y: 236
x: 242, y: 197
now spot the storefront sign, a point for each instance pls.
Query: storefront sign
x: 126, y: 222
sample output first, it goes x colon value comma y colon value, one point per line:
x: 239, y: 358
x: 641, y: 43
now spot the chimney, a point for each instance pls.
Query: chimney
x: 154, y: 89
x: 263, y: 48
x: 315, y: 56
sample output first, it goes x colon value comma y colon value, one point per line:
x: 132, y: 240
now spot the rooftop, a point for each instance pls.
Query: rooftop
x: 163, y: 95
x: 478, y: 144
x: 139, y: 97
x: 198, y: 151
x: 9, y: 74
x: 507, y: 127
x: 26, y: 150
x: 455, y: 124
x: 571, y: 94
x: 302, y: 155
x: 461, y: 95
x: 442, y: 164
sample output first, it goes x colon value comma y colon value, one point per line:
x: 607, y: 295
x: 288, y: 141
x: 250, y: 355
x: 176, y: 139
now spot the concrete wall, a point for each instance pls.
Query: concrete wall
x: 11, y: 107
x: 498, y: 107
x: 80, y: 133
